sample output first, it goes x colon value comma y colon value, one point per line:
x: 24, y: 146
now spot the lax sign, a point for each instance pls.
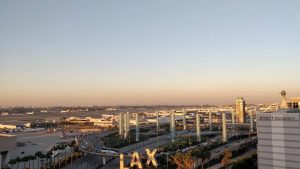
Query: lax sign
x: 136, y: 161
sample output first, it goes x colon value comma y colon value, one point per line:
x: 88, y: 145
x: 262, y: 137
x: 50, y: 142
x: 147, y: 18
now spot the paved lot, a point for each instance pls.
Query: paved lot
x: 36, y: 141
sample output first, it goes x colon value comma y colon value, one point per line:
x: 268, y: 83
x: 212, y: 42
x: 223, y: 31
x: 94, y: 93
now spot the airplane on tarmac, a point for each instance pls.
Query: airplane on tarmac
x: 69, y: 135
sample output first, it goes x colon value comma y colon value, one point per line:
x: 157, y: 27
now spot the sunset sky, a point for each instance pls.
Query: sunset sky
x: 148, y: 52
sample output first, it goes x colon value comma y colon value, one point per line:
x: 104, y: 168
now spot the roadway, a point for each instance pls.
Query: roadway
x: 151, y: 144
x: 217, y: 152
x: 230, y: 146
x: 90, y: 161
x: 245, y: 155
x: 112, y: 161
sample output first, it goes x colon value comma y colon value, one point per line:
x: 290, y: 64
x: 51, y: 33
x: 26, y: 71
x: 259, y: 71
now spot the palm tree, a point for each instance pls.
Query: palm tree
x: 42, y: 156
x: 189, y: 160
x: 48, y: 157
x: 5, y: 167
x: 61, y: 148
x: 184, y: 161
x: 178, y: 160
x: 227, y: 157
x: 31, y: 157
x: 65, y: 153
x: 73, y: 143
x: 72, y: 146
x: 18, y: 160
x: 12, y: 162
x: 202, y: 154
x: 38, y: 155
x: 24, y: 159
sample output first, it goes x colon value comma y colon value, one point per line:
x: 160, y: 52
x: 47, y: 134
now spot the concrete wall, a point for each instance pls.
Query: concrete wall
x: 7, y: 142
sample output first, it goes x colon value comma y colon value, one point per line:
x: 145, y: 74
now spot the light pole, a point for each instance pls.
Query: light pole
x: 157, y: 127
x: 190, y: 139
x: 167, y: 160
x: 210, y: 120
x: 137, y: 128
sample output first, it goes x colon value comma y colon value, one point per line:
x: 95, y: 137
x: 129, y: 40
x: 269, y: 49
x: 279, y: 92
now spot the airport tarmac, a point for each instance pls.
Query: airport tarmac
x: 56, y: 116
x: 42, y: 117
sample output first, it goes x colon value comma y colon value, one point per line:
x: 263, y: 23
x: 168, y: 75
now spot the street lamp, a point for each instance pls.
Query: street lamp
x: 167, y: 160
x: 190, y: 139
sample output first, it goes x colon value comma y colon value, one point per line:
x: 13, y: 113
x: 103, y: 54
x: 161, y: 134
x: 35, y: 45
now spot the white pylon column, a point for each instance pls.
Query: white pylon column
x: 137, y: 128
x: 183, y: 119
x: 157, y: 119
x: 198, y: 127
x: 171, y: 120
x: 173, y: 129
x: 224, y: 128
x: 128, y: 123
x: 233, y: 119
x: 210, y: 120
x: 251, y: 121
x: 125, y: 125
x: 121, y: 125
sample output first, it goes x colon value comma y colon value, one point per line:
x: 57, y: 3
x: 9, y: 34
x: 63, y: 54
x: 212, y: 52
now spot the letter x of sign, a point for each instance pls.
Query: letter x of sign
x: 151, y: 157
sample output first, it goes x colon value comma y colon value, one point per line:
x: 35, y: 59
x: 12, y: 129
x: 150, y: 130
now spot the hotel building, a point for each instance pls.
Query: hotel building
x: 279, y: 139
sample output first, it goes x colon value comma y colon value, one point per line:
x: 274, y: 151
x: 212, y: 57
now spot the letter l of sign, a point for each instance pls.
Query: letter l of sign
x: 122, y: 162
x: 151, y: 157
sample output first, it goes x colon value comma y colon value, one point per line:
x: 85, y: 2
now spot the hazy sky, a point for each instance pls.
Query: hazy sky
x: 148, y: 52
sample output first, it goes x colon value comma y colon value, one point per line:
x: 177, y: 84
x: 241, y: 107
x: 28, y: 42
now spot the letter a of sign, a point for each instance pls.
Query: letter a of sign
x: 135, y: 160
x: 151, y: 157
x: 122, y: 162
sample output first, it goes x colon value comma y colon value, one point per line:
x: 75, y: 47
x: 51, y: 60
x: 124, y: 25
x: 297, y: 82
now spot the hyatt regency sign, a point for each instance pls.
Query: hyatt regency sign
x: 278, y: 117
x: 136, y: 161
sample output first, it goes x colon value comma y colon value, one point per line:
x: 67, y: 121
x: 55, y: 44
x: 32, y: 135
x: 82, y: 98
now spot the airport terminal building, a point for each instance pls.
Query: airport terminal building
x: 279, y: 139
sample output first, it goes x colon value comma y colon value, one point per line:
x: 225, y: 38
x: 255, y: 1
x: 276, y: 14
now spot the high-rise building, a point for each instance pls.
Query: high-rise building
x: 279, y: 139
x: 240, y: 109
